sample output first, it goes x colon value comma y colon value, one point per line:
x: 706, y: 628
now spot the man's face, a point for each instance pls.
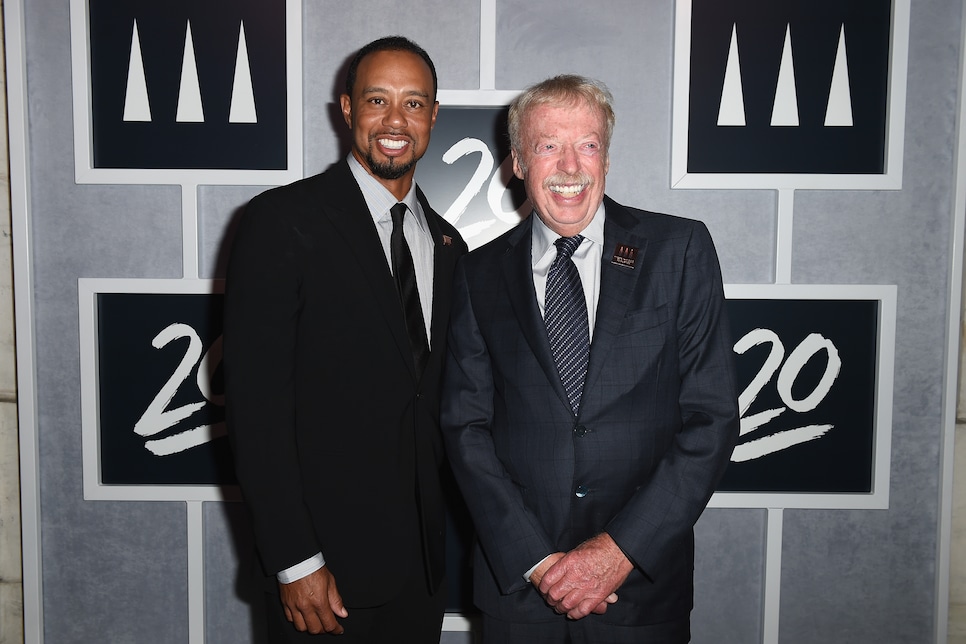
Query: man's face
x: 563, y: 162
x: 390, y: 113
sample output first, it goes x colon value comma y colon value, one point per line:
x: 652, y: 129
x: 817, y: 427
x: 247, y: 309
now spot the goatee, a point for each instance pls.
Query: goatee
x: 389, y: 170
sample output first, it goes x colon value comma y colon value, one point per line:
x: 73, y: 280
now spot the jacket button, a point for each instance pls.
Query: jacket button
x: 580, y: 430
x: 582, y: 491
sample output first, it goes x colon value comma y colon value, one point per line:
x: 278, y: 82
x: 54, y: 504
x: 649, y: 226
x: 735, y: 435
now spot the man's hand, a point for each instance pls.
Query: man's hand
x: 585, y: 580
x: 544, y: 566
x: 312, y: 603
x: 537, y: 575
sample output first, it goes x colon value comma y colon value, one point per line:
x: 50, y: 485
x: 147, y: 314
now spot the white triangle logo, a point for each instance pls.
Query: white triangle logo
x: 839, y: 111
x: 732, y: 108
x: 785, y: 110
x: 189, y: 96
x: 136, y: 105
x: 242, y: 92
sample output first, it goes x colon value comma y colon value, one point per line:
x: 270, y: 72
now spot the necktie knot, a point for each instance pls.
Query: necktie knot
x: 566, y: 246
x: 398, y: 212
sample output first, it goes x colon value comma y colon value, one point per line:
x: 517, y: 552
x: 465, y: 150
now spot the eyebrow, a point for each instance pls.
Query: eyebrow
x: 554, y: 137
x: 383, y: 90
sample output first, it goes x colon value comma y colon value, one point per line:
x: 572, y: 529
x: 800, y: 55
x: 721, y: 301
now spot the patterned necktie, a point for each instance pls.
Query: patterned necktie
x: 405, y: 276
x: 565, y: 314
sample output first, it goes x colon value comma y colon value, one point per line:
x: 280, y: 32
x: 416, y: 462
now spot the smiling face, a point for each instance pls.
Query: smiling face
x: 562, y: 162
x: 391, y: 113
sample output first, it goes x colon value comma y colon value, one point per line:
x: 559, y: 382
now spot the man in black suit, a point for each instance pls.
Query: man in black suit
x: 336, y: 309
x: 589, y: 402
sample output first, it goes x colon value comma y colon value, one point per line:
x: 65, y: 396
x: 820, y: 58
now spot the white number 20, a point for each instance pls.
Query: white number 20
x: 787, y: 374
x: 157, y: 417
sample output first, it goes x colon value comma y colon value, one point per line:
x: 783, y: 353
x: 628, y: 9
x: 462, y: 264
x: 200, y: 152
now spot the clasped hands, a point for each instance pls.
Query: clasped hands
x: 584, y: 580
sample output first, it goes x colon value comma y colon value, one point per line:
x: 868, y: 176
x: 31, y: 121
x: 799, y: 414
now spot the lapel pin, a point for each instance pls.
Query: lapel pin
x: 447, y: 240
x: 624, y: 256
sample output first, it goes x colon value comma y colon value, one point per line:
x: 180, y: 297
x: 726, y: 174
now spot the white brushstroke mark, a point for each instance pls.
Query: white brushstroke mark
x: 186, y: 439
x: 778, y: 442
x: 753, y: 422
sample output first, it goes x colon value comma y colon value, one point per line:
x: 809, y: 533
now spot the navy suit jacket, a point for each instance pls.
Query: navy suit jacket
x: 656, y: 427
x: 331, y: 427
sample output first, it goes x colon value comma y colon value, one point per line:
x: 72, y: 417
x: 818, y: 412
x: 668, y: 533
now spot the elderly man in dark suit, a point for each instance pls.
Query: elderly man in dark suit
x: 589, y: 401
x: 336, y: 309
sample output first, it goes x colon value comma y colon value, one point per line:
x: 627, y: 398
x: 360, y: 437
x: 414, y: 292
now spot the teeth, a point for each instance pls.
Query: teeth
x: 568, y: 191
x: 392, y: 145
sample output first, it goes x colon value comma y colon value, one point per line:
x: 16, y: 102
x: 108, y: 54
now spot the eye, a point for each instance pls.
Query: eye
x: 414, y: 105
x: 376, y: 100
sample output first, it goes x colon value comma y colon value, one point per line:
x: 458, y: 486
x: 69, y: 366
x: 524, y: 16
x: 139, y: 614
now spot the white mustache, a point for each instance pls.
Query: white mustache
x: 580, y: 178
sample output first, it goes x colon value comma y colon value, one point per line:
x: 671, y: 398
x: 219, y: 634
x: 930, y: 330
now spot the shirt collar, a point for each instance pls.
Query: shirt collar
x: 543, y: 238
x: 379, y: 199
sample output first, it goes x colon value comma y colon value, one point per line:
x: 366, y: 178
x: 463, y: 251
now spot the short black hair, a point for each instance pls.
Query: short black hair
x: 388, y: 43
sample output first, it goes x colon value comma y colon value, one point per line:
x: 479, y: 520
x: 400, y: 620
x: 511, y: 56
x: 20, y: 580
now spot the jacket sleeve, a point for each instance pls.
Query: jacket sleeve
x: 662, y: 512
x: 260, y: 329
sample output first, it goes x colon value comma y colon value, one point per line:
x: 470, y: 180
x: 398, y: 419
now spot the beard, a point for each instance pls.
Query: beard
x: 392, y: 169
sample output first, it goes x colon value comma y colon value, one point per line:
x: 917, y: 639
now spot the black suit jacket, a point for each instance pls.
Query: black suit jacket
x: 331, y: 428
x: 657, y: 423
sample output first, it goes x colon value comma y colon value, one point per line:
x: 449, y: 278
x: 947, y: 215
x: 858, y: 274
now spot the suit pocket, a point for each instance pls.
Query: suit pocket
x: 644, y: 319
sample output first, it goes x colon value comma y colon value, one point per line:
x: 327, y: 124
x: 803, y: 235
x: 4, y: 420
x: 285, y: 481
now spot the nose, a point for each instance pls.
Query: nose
x: 395, y: 116
x: 569, y: 161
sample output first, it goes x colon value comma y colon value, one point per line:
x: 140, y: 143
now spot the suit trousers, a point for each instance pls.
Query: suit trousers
x: 588, y: 630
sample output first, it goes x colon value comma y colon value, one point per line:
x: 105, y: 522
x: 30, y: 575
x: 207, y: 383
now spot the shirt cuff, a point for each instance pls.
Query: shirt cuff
x: 300, y: 570
x: 527, y: 574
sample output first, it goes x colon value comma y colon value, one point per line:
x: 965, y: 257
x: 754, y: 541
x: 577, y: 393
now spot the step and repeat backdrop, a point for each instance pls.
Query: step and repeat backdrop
x: 730, y: 98
x: 815, y: 367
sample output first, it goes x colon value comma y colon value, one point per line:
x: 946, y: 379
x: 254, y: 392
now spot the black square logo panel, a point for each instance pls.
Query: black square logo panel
x: 197, y: 84
x: 807, y: 371
x: 799, y: 86
x: 161, y: 390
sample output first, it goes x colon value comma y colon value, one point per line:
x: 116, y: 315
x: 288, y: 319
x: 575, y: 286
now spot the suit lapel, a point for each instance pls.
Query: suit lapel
x: 342, y: 203
x: 617, y: 284
x: 445, y: 254
x: 518, y: 275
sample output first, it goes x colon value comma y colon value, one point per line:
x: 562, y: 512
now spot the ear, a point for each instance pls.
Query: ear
x: 346, y: 109
x: 432, y: 123
x: 517, y: 167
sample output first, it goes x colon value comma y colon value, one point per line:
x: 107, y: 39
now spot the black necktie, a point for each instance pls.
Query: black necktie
x: 565, y: 314
x: 405, y: 276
